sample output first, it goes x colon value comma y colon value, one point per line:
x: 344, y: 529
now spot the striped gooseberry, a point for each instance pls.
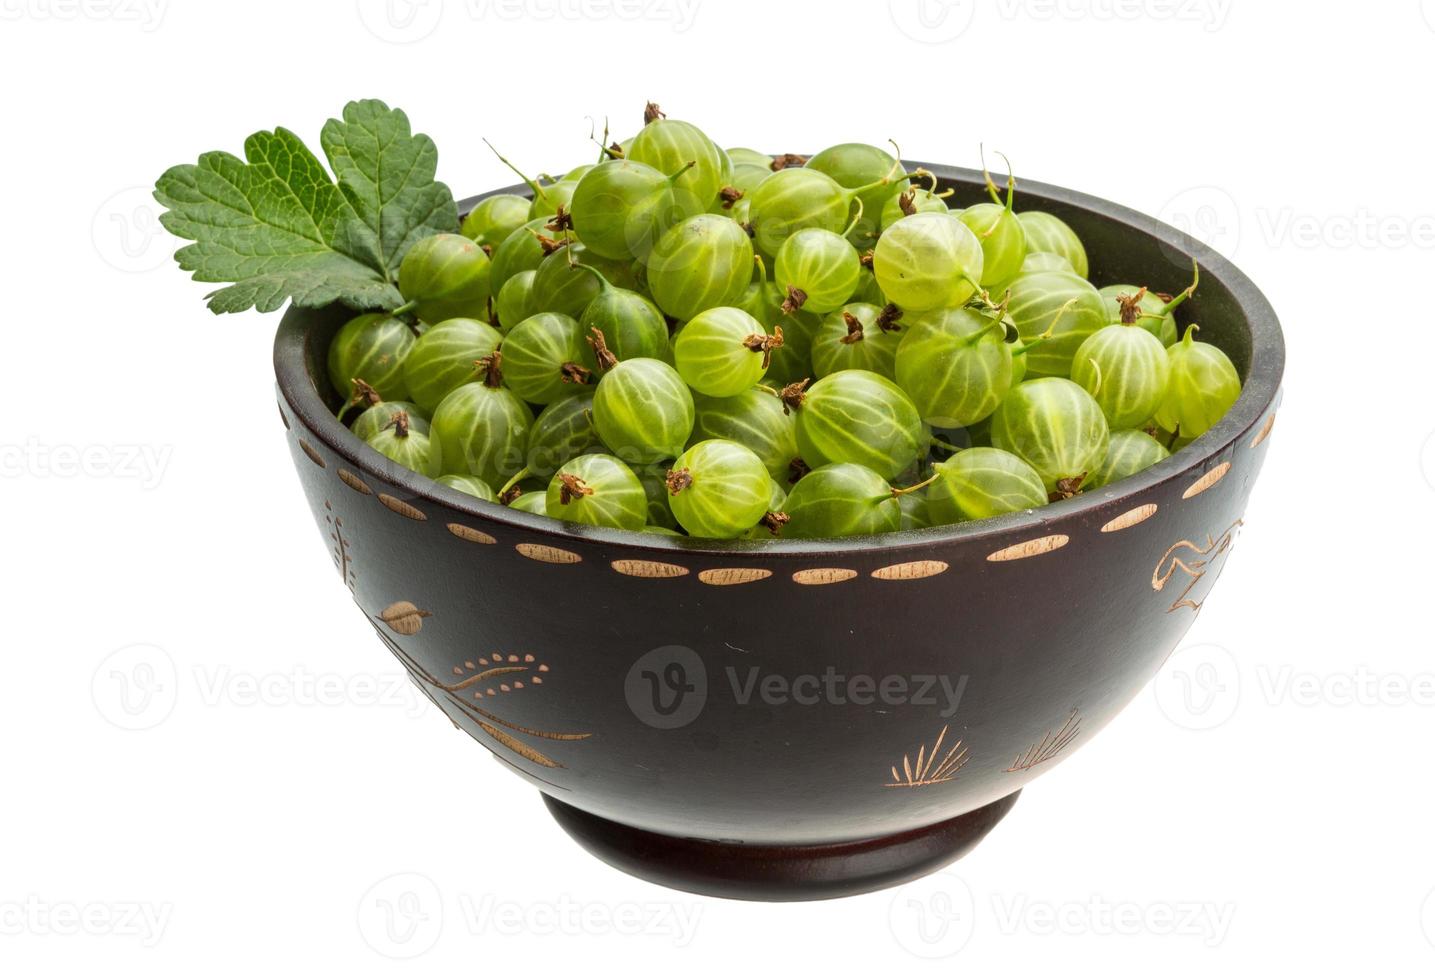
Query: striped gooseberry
x: 701, y: 262
x: 857, y: 417
x: 444, y: 276
x: 718, y: 488
x: 494, y: 218
x: 1056, y: 427
x: 928, y: 260
x: 1126, y: 370
x: 543, y: 357
x: 371, y: 346
x: 482, y: 428
x: 445, y: 356
x: 1048, y: 233
x: 622, y: 207
x: 597, y: 489
x: 757, y: 419
x: 1059, y: 304
x: 1202, y: 386
x: 983, y: 482
x: 955, y: 364
x: 817, y: 270
x: 861, y: 166
x: 470, y: 485
x: 562, y: 431
x: 671, y: 145
x: 514, y: 302
x: 841, y: 500
x: 858, y: 336
x: 408, y: 447
x: 1128, y: 452
x: 642, y: 409
x: 723, y: 351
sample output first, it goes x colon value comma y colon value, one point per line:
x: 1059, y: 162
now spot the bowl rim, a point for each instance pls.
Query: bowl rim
x: 1260, y: 391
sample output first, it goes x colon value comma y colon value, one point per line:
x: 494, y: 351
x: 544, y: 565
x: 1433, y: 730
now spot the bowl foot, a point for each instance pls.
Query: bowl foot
x: 779, y: 873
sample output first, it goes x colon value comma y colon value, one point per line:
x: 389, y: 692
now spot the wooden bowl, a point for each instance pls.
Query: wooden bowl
x: 796, y: 719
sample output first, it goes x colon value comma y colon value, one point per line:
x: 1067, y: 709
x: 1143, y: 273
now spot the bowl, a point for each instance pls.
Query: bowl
x: 796, y: 719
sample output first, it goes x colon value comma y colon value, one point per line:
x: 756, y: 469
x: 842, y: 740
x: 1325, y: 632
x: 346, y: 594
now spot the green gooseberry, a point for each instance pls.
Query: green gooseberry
x: 859, y: 417
x: 701, y: 262
x: 495, y: 218
x: 841, y: 500
x: 562, y: 431
x: 1056, y: 427
x: 954, y: 364
x: 718, y: 488
x: 371, y: 346
x: 470, y: 485
x: 817, y: 270
x: 445, y: 276
x: 669, y: 146
x: 1126, y: 370
x: 409, y: 448
x: 757, y: 419
x: 515, y: 302
x: 1059, y: 306
x: 723, y: 351
x: 482, y: 429
x: 445, y: 356
x: 543, y: 357
x: 597, y: 489
x: 1202, y: 387
x: 643, y: 410
x: 928, y: 260
x: 381, y: 414
x: 982, y: 482
x: 1048, y: 233
x: 1129, y: 452
x: 622, y: 207
x: 860, y: 336
x: 866, y: 168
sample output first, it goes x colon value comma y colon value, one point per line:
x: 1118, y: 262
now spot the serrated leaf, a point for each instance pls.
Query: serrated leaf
x: 278, y: 228
x: 387, y: 175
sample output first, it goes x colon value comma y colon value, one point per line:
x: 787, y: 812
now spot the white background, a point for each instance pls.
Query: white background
x: 211, y: 765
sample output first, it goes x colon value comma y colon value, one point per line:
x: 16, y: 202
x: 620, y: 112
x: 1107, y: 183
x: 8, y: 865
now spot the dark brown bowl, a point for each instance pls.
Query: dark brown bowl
x: 630, y: 677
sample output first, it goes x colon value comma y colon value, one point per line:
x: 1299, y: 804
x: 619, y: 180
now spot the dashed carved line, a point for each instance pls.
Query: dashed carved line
x: 1030, y: 549
x: 1208, y: 481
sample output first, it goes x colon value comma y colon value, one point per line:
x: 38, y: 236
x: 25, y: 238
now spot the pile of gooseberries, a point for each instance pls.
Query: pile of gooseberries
x: 687, y: 340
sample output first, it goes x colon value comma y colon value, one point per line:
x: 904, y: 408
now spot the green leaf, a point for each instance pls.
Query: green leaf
x: 387, y: 176
x: 277, y: 227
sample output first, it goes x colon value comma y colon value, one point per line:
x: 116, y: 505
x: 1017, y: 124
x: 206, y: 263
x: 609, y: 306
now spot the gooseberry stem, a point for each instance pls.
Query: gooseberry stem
x: 855, y: 219
x: 513, y: 481
x: 944, y: 444
x: 532, y: 184
x: 1186, y: 293
x: 403, y: 308
x: 899, y: 491
x: 673, y: 177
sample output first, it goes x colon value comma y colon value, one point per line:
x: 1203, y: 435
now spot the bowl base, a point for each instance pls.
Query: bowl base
x: 779, y: 873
